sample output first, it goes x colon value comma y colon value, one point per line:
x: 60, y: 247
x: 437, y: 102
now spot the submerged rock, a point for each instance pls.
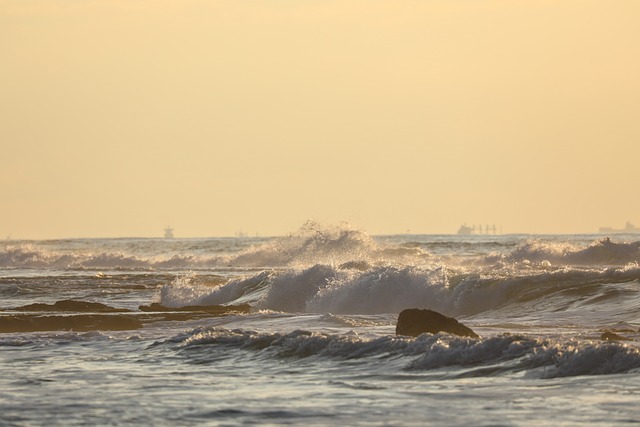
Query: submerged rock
x: 414, y: 322
x: 80, y: 322
x: 219, y: 310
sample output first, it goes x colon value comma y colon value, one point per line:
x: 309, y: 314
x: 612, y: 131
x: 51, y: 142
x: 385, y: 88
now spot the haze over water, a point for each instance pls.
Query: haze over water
x: 121, y: 118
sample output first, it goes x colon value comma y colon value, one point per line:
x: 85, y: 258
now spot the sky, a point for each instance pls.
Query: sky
x: 120, y: 118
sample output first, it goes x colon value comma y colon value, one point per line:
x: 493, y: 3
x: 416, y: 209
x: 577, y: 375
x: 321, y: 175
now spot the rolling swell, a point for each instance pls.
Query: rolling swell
x: 602, y: 252
x: 311, y: 244
x: 315, y: 244
x: 500, y: 355
x: 32, y: 257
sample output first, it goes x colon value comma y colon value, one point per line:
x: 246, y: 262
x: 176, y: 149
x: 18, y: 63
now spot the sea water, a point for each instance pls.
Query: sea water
x: 300, y: 329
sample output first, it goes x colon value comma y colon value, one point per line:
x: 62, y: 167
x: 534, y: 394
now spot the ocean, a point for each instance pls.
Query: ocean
x: 300, y: 329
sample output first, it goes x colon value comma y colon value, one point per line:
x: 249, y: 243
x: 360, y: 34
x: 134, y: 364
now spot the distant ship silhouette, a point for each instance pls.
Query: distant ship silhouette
x: 168, y: 233
x: 628, y: 228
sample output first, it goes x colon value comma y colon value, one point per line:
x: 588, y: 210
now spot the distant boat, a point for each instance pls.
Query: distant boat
x: 168, y: 233
x: 628, y: 228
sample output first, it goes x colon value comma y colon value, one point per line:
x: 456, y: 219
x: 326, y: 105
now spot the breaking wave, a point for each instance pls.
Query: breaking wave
x: 390, y: 289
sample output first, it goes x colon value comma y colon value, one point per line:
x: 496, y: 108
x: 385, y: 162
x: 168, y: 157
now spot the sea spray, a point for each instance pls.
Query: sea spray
x: 312, y: 244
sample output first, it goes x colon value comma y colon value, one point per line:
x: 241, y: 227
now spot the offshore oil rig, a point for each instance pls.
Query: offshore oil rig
x: 628, y: 228
x: 168, y: 233
x: 466, y: 230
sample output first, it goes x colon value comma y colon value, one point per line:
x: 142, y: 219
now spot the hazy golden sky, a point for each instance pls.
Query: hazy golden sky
x: 118, y: 118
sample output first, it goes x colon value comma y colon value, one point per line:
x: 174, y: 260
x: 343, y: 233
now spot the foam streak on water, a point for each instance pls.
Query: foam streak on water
x: 301, y: 329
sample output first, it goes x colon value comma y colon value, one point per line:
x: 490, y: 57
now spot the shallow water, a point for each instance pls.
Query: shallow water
x: 317, y: 345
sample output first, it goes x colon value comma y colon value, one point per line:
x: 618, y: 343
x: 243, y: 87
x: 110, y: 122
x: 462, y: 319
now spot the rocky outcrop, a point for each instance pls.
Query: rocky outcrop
x: 72, y: 305
x: 414, y: 322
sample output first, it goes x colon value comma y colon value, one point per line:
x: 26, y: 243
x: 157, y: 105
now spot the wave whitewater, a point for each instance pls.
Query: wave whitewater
x: 500, y: 355
x: 390, y: 289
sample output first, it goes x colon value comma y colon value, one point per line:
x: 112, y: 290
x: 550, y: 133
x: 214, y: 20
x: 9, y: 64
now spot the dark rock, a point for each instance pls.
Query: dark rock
x: 81, y: 322
x: 612, y: 336
x: 72, y: 305
x: 414, y: 322
x: 215, y: 310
